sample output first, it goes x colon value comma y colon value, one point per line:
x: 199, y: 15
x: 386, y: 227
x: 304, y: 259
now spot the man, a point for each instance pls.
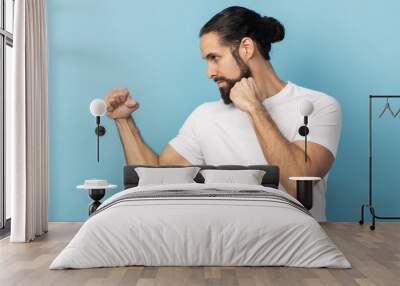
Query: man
x: 257, y: 120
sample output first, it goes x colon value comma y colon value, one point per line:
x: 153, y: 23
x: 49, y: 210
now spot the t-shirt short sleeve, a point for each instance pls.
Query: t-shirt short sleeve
x: 325, y: 124
x: 187, y: 142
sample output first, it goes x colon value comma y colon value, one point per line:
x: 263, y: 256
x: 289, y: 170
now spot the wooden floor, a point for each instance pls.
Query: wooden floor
x: 374, y: 255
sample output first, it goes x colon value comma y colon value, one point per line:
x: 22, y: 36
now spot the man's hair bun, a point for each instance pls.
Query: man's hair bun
x: 274, y: 30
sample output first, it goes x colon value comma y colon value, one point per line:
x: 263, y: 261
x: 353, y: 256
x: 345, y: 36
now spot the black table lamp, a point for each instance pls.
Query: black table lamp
x: 304, y: 185
x: 305, y: 108
x: 97, y: 109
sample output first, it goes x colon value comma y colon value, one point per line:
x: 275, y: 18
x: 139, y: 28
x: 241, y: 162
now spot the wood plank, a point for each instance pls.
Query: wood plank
x: 374, y: 255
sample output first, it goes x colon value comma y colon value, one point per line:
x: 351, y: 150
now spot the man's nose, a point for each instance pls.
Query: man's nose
x: 211, y: 72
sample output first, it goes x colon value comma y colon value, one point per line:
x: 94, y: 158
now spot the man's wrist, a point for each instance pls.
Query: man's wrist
x: 261, y: 118
x: 121, y: 121
x: 130, y: 124
x: 258, y: 110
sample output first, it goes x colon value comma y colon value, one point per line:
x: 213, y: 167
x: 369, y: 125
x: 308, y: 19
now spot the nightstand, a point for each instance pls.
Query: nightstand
x: 304, y: 187
x: 96, y: 189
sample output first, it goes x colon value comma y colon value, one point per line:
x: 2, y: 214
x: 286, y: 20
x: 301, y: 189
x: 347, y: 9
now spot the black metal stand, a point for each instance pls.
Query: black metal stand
x: 96, y: 195
x: 100, y: 131
x: 370, y: 205
x: 305, y: 193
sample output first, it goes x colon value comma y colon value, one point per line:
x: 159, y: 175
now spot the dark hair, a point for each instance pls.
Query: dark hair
x: 234, y: 23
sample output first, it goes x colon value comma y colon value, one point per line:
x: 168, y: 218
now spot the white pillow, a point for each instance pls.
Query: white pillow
x: 162, y: 176
x: 249, y: 177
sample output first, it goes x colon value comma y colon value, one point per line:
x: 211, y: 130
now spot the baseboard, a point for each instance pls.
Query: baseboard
x: 5, y: 231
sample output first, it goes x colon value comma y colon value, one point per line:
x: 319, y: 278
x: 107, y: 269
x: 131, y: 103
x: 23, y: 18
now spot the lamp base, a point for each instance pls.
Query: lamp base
x: 303, y: 130
x: 304, y: 187
x: 100, y: 130
x: 305, y: 193
x: 96, y: 195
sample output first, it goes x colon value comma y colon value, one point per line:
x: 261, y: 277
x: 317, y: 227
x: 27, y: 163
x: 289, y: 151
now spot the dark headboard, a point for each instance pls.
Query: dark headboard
x: 270, y: 179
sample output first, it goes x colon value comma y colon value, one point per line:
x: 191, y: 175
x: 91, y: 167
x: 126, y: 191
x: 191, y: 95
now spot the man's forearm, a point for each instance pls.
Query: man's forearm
x: 278, y: 150
x: 137, y: 152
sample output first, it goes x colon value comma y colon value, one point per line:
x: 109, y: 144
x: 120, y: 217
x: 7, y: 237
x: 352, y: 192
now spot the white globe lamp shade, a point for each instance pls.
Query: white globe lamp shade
x: 98, y: 107
x: 306, y: 107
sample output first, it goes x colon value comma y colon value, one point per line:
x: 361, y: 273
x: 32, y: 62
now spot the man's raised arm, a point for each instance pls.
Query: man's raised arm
x: 120, y: 106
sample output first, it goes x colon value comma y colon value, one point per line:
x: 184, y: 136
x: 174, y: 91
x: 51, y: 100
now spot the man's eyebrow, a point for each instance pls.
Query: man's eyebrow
x: 210, y: 55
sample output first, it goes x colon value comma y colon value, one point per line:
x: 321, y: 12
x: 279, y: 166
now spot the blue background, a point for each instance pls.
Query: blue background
x: 347, y: 49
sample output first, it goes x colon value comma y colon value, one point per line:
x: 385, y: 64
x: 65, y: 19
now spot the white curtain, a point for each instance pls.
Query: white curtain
x: 27, y: 124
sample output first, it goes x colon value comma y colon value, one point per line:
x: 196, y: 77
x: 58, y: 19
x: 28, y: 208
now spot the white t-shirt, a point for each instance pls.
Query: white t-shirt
x: 220, y: 134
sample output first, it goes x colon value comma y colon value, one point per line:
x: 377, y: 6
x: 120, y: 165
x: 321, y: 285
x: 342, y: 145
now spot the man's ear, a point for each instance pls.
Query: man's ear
x: 247, y: 48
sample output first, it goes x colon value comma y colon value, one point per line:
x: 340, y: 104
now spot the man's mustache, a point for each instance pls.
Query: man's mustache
x: 220, y: 79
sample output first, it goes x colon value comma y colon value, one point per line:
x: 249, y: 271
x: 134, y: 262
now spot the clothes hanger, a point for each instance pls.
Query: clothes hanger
x: 397, y: 112
x: 387, y: 107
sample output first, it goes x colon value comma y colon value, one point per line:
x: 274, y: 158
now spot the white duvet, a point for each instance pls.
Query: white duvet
x: 200, y: 231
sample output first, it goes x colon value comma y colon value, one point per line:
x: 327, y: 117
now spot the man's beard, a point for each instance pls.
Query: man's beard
x: 244, y: 73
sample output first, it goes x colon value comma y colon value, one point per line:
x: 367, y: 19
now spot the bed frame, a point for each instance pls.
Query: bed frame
x: 270, y: 179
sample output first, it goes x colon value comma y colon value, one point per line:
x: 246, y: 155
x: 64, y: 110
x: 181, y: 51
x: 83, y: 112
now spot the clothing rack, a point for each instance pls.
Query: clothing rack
x: 370, y: 205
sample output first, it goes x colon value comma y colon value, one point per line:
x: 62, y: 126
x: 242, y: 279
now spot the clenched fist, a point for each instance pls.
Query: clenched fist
x: 245, y: 95
x: 120, y: 104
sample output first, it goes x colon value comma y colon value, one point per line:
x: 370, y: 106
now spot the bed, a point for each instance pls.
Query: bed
x: 201, y: 224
